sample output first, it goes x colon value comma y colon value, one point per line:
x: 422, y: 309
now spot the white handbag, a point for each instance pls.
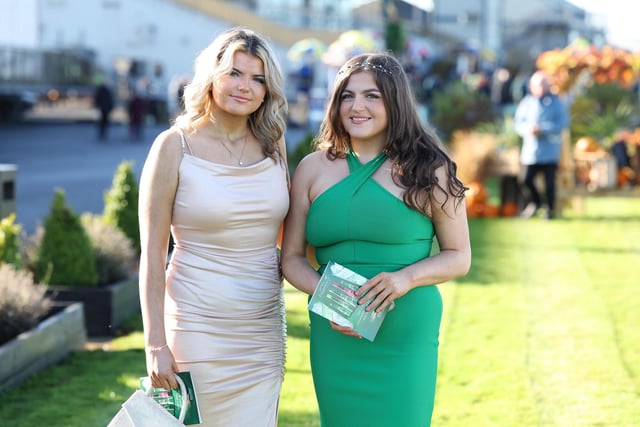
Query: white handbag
x: 141, y: 410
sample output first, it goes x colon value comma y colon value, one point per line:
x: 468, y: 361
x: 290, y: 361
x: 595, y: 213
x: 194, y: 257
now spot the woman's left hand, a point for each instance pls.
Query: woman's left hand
x: 382, y: 290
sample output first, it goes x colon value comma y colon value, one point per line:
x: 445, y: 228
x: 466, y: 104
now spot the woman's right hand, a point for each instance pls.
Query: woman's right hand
x: 346, y: 330
x: 162, y: 367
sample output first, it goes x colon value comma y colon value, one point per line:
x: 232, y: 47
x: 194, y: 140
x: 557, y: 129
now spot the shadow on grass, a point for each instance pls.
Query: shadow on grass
x: 87, y: 389
x: 297, y: 313
x: 603, y: 218
x: 298, y: 323
x: 499, y: 244
x: 487, y: 265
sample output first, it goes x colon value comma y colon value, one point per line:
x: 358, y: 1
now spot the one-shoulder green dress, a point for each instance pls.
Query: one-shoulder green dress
x: 391, y: 381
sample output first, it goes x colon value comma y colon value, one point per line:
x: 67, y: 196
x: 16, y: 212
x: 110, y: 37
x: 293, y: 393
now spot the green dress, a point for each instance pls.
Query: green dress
x: 391, y: 381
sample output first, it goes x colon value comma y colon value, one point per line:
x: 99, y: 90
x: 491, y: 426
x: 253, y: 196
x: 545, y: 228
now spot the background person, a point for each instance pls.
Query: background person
x: 540, y: 119
x: 104, y: 102
x: 218, y: 179
x: 137, y: 109
x: 373, y: 198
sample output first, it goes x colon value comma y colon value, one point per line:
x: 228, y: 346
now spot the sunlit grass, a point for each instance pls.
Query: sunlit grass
x: 541, y: 333
x: 298, y: 402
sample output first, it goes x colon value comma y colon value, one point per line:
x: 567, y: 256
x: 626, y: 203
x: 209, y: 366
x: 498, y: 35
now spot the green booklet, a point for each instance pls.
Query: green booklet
x: 172, y: 400
x: 334, y: 299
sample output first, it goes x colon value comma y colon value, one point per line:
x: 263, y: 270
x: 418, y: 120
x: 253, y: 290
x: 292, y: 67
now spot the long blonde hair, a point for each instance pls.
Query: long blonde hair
x: 268, y: 122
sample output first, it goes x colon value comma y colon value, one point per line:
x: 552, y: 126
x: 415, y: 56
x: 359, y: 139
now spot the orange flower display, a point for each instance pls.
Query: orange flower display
x: 606, y: 65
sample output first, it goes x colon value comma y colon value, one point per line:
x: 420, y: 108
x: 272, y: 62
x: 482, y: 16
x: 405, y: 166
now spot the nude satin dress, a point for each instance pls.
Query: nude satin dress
x: 224, y: 305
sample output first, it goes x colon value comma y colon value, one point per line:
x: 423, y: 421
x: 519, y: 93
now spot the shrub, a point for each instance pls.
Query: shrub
x: 113, y: 251
x: 395, y: 37
x: 459, y: 107
x: 65, y: 256
x: 10, y: 241
x: 601, y: 110
x: 22, y: 303
x: 121, y: 203
x: 29, y: 249
x: 504, y: 132
x: 303, y: 148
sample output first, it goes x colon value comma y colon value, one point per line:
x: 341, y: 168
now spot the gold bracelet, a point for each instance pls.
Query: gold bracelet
x: 156, y: 349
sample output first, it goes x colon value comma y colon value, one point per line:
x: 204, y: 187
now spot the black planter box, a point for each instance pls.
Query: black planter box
x: 105, y: 307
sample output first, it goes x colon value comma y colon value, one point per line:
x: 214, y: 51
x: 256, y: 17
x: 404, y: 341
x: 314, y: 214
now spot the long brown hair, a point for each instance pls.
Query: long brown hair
x: 415, y: 151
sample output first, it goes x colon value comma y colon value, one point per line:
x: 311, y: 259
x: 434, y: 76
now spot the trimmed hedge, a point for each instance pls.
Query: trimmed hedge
x: 121, y: 203
x: 65, y: 255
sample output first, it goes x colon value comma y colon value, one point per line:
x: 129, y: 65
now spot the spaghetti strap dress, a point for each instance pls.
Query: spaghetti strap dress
x: 390, y: 381
x: 224, y: 302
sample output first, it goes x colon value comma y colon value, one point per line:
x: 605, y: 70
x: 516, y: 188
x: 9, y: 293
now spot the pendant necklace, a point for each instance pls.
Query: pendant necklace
x: 239, y: 158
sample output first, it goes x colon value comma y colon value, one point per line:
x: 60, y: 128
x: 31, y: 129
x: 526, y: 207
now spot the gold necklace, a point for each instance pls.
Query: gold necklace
x: 244, y: 144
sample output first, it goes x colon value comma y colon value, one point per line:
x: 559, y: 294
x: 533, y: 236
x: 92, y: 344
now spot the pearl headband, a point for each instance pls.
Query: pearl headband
x: 365, y: 65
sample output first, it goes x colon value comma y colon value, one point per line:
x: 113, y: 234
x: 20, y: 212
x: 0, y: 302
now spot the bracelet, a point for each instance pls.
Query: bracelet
x: 156, y: 349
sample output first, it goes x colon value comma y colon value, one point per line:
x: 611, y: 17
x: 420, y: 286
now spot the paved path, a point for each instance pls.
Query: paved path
x: 66, y: 154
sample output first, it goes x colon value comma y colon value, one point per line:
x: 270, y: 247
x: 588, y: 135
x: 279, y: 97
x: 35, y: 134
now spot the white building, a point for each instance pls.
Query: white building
x: 515, y: 28
x: 152, y: 32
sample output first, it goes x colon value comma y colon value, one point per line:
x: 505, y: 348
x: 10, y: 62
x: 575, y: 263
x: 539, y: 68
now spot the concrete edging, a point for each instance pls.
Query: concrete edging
x: 48, y: 343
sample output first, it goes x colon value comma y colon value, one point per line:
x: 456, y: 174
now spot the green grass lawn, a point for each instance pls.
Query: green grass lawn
x: 542, y: 332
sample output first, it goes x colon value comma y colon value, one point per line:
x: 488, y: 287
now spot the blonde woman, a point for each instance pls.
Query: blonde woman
x: 218, y: 182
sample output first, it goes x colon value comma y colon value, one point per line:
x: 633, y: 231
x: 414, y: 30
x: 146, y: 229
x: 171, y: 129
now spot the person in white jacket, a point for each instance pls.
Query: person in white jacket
x: 540, y: 118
